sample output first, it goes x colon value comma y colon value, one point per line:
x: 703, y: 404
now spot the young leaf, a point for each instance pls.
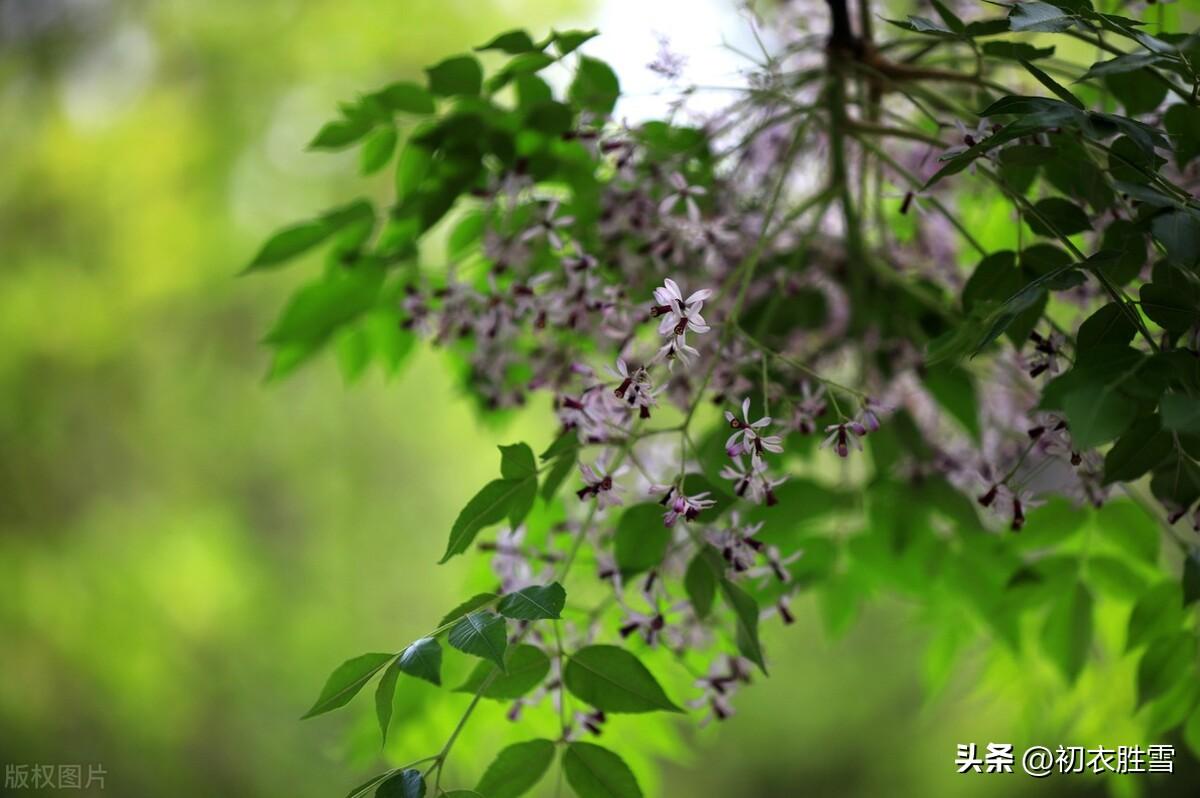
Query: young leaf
x: 516, y: 769
x: 746, y: 609
x: 422, y: 659
x: 345, y: 682
x: 595, y: 772
x: 1068, y: 632
x: 527, y: 667
x: 405, y: 784
x: 482, y: 634
x: 534, y: 603
x: 613, y: 680
x: 385, y: 695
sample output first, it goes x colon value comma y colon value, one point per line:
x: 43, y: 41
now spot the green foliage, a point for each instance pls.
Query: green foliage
x: 345, y: 682
x: 595, y: 772
x: 613, y: 680
x: 517, y: 769
x: 482, y: 634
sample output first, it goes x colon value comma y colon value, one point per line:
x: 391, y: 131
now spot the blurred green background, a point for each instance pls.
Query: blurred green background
x: 186, y: 550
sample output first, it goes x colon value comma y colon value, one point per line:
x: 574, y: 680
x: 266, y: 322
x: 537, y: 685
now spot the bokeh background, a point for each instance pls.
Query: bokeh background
x: 187, y: 549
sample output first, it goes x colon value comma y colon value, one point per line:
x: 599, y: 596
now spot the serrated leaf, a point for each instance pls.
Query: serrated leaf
x: 345, y: 682
x: 481, y: 634
x: 596, y: 772
x: 533, y: 603
x: 527, y: 668
x: 422, y: 659
x: 613, y: 680
x: 517, y: 769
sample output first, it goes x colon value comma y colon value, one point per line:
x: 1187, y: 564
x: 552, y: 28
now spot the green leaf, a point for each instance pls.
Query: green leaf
x: 563, y: 465
x: 470, y: 605
x: 954, y: 390
x: 1158, y: 612
x: 345, y: 682
x: 746, y: 609
x: 1167, y: 661
x: 1167, y: 307
x: 1122, y: 63
x: 700, y: 581
x: 340, y: 133
x: 613, y: 680
x: 535, y: 602
x: 1068, y: 632
x: 641, y: 539
x: 595, y: 86
x: 1191, y: 732
x: 1053, y: 85
x: 1016, y: 51
x: 527, y: 668
x: 1183, y: 123
x: 1181, y: 413
x: 512, y: 42
x: 423, y: 659
x: 595, y: 772
x: 293, y: 241
x: 1108, y: 326
x: 568, y: 41
x: 321, y: 308
x: 1097, y: 416
x: 460, y: 74
x: 405, y: 784
x: 378, y: 149
x: 496, y: 500
x: 385, y: 695
x: 1138, y: 90
x: 481, y: 634
x: 516, y: 462
x: 1141, y: 448
x: 1191, y: 578
x: 1039, y: 18
x: 1179, y: 232
x: 462, y: 794
x: 517, y: 769
x: 1057, y: 216
x: 406, y: 97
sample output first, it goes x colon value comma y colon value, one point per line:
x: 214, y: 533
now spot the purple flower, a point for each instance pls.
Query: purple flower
x: 842, y: 437
x: 548, y: 226
x: 679, y: 315
x: 746, y: 436
x: 685, y: 192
